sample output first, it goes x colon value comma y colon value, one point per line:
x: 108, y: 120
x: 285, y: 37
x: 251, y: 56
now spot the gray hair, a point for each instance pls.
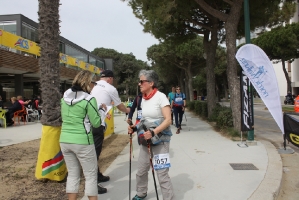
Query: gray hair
x: 151, y: 76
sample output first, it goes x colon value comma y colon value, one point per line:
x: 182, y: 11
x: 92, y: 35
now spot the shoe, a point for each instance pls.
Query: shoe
x: 101, y: 189
x: 103, y: 178
x: 9, y: 123
x: 138, y: 197
x: 178, y: 131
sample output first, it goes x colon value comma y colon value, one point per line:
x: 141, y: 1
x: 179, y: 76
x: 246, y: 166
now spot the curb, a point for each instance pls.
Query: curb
x: 270, y: 185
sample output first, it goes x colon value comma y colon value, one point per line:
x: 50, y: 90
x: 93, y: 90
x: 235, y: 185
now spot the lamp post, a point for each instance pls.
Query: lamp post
x: 250, y: 135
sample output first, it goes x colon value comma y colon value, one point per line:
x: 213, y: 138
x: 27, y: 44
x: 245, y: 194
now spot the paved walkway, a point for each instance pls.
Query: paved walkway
x: 200, y: 159
x: 20, y: 133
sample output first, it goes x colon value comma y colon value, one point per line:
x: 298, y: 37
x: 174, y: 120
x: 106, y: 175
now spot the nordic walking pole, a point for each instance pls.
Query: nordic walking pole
x: 151, y: 161
x: 130, y: 123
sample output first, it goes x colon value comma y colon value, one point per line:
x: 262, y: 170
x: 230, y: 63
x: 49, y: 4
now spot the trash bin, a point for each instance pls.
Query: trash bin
x: 202, y: 98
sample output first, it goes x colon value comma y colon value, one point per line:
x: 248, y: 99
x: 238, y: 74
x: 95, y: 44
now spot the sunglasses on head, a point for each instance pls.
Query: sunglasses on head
x: 142, y: 81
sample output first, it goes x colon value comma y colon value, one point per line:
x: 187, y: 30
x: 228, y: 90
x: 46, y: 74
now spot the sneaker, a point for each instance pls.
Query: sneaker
x: 101, y: 189
x: 178, y: 131
x: 103, y: 178
x: 138, y: 197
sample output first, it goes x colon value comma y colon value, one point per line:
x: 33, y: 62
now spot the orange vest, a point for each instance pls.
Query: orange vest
x: 296, y: 104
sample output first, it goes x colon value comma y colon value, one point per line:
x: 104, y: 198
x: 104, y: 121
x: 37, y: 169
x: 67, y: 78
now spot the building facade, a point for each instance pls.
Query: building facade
x: 19, y: 71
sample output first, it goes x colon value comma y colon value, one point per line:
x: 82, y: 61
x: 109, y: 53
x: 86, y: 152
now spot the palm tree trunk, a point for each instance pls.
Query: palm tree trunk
x: 49, y: 61
x: 50, y: 163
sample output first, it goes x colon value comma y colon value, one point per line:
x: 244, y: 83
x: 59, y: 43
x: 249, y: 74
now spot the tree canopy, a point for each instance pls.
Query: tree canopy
x: 126, y: 68
x: 281, y: 45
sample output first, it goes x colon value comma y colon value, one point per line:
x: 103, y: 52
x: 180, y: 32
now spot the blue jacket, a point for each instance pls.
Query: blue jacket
x: 166, y: 133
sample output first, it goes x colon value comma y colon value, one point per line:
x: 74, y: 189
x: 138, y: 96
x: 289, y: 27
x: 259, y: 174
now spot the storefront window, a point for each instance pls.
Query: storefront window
x: 92, y: 60
x: 100, y: 64
x: 9, y: 26
x: 29, y: 32
x: 71, y: 51
x: 61, y: 47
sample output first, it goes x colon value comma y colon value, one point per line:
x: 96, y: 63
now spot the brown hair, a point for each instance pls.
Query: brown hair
x: 83, y: 80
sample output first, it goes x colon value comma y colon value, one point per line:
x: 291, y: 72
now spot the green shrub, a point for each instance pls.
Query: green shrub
x: 191, y: 105
x: 225, y: 118
x: 215, y: 112
x: 197, y: 107
x: 233, y: 132
x: 204, y: 109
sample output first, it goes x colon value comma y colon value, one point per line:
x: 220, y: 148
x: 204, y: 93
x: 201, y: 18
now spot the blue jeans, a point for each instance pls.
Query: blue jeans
x: 178, y: 115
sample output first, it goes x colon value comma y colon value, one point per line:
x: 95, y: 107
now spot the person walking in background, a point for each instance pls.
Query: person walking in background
x: 178, y: 105
x: 156, y: 116
x: 79, y: 111
x: 129, y: 105
x: 136, y: 104
x: 105, y: 93
x: 170, y: 98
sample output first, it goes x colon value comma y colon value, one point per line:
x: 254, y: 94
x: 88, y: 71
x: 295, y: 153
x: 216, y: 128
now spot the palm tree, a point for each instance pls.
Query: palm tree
x: 50, y: 163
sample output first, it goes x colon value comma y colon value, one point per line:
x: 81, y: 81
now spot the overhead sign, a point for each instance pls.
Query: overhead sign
x: 16, y: 42
x: 9, y: 40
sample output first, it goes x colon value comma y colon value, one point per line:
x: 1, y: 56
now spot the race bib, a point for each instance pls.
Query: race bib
x: 178, y: 99
x: 161, y: 161
x: 139, y: 114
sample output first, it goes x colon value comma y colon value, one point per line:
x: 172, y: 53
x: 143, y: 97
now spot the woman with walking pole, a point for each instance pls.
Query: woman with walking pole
x: 156, y: 116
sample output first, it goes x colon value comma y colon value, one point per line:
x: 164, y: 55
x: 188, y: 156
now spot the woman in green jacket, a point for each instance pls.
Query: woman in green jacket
x: 79, y: 113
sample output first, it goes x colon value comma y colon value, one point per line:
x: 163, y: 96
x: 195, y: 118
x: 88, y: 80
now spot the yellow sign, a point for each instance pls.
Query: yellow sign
x: 16, y: 42
x: 109, y: 123
x: 294, y: 138
x: 50, y: 163
x: 10, y: 40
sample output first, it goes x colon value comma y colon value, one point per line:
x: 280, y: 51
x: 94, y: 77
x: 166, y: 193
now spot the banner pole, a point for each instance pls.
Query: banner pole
x: 250, y: 135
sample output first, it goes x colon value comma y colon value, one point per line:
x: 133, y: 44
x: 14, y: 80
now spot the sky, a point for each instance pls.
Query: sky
x: 90, y: 24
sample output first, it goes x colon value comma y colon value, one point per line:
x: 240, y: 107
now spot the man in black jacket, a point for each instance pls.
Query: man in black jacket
x: 15, y: 107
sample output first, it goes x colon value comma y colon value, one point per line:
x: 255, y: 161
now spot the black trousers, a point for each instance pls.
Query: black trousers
x: 178, y: 115
x: 9, y: 116
x: 98, y: 137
